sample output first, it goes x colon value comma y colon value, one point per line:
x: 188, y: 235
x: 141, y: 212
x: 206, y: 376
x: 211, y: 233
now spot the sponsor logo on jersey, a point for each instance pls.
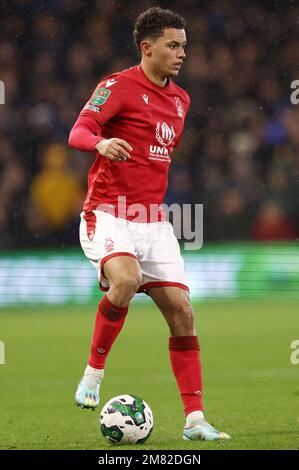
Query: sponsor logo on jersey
x: 179, y: 106
x: 165, y: 135
x: 100, y: 97
x: 145, y: 98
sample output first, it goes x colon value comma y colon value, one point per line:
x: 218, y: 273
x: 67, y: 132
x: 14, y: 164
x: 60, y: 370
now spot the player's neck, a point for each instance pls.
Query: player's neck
x: 153, y: 76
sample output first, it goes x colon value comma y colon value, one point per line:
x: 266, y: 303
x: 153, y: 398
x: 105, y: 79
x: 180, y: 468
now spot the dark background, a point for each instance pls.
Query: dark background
x: 240, y: 152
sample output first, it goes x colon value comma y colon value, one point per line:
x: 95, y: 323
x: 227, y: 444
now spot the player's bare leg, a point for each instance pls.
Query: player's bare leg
x: 124, y: 275
x: 175, y: 306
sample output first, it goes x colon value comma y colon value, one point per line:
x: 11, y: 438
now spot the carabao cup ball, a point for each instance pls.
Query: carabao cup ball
x: 126, y: 419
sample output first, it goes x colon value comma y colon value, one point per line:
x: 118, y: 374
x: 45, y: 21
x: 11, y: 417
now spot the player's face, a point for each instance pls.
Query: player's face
x: 168, y: 52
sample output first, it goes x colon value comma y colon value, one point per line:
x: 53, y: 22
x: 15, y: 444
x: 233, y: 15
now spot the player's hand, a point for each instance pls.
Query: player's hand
x: 115, y: 149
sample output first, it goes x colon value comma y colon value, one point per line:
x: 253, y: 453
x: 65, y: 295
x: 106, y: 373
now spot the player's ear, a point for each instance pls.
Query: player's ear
x: 146, y: 48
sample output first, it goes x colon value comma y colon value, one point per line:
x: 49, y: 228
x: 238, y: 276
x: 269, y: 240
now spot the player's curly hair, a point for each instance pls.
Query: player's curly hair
x: 152, y: 22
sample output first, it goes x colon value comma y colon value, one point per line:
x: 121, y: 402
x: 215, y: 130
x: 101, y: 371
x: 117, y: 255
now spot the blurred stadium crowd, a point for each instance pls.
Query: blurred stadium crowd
x: 240, y: 151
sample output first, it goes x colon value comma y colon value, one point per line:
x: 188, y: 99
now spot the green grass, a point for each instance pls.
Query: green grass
x: 251, y: 390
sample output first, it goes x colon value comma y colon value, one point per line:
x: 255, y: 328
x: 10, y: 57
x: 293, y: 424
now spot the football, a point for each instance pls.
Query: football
x: 126, y: 419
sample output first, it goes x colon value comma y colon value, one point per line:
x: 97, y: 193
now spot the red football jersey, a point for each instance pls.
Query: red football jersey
x: 129, y: 106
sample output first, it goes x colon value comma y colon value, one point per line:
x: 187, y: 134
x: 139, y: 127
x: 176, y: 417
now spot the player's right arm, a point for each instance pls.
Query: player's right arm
x: 86, y: 134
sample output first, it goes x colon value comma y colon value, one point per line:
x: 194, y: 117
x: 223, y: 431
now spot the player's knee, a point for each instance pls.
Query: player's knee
x: 128, y: 284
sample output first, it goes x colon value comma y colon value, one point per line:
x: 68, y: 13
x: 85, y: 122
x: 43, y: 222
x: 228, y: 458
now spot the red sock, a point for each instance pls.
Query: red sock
x: 109, y: 322
x: 186, y: 366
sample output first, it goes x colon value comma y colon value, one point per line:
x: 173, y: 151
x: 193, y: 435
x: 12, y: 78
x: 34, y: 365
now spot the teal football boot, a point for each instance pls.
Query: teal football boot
x: 203, y: 431
x: 87, y: 397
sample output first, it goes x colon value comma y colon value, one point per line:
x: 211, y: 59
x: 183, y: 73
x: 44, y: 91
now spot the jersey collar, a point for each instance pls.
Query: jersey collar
x: 157, y: 87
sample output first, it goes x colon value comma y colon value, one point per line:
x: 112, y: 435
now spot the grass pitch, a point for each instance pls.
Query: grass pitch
x: 251, y: 389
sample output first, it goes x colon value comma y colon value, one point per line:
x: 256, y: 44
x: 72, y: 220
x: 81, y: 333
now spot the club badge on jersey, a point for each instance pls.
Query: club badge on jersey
x: 179, y: 106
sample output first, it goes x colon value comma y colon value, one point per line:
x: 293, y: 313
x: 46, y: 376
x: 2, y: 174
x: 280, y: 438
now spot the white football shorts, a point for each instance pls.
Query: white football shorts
x: 154, y: 245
